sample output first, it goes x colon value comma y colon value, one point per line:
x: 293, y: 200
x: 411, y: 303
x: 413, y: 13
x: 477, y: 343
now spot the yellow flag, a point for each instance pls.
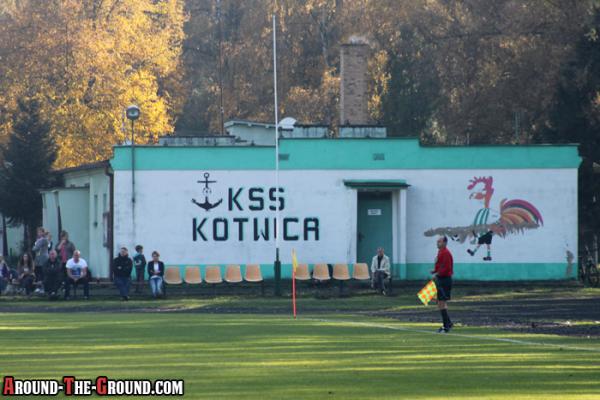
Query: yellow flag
x: 294, y: 260
x: 427, y: 293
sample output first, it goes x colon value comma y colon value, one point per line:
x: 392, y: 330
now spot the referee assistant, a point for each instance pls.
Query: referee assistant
x: 442, y: 275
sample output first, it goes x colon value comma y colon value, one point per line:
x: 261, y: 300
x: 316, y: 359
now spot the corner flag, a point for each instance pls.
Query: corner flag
x: 427, y: 293
x: 294, y: 261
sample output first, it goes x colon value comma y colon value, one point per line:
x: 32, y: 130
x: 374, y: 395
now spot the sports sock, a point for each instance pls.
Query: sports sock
x: 448, y: 316
x: 489, y: 253
x: 445, y: 318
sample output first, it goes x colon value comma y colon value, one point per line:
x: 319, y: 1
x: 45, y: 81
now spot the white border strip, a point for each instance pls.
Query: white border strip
x: 462, y: 335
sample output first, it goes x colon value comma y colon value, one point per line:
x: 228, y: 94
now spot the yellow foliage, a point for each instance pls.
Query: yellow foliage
x: 87, y: 61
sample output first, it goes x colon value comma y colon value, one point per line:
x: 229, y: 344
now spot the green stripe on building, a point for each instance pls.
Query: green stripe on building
x: 340, y: 154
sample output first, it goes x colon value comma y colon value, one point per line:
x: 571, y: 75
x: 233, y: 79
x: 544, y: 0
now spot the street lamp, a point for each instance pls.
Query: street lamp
x: 132, y: 113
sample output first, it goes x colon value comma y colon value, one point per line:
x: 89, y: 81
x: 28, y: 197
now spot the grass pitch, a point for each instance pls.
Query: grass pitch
x: 326, y: 356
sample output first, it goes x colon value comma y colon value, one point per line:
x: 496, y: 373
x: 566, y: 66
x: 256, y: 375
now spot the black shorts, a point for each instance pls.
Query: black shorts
x: 485, y: 239
x: 444, y: 288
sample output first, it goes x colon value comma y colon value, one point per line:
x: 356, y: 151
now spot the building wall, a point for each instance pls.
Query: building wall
x: 256, y: 134
x: 98, y: 204
x: 83, y: 203
x: 437, y: 198
x: 14, y: 238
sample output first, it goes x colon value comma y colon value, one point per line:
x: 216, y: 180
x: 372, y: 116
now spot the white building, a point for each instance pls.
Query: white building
x: 341, y: 198
x: 82, y: 207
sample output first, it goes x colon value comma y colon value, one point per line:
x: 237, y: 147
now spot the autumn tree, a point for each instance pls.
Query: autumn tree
x: 412, y: 89
x: 575, y: 118
x: 90, y: 59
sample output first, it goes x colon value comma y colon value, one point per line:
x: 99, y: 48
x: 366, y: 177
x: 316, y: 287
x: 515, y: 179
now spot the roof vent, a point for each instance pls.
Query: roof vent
x: 287, y: 123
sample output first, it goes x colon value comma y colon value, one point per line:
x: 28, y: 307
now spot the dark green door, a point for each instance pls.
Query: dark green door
x: 374, y: 224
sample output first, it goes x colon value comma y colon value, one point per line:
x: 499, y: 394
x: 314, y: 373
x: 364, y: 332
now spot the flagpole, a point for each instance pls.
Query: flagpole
x: 277, y: 266
x: 294, y: 267
x: 294, y: 291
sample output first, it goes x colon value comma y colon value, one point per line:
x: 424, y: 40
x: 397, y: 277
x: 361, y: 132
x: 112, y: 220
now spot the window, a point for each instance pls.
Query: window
x: 104, y: 203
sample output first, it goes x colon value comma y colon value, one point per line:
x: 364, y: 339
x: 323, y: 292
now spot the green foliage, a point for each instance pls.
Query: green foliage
x: 575, y: 118
x: 412, y: 89
x: 27, y: 163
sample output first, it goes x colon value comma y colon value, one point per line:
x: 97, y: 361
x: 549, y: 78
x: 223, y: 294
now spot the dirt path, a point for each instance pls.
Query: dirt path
x: 561, y: 316
x: 554, y: 316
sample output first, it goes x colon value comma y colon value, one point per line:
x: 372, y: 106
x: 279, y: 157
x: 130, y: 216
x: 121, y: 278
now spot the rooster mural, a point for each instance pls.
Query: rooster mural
x: 513, y: 216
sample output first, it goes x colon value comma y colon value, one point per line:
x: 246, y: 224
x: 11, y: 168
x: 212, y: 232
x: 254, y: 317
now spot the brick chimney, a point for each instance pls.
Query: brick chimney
x: 353, y: 91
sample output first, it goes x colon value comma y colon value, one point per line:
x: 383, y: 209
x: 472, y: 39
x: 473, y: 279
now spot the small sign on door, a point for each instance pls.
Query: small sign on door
x: 374, y: 212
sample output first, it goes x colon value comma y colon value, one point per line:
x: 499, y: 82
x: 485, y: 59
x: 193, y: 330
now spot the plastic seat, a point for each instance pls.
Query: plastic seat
x: 253, y: 273
x: 212, y: 274
x: 192, y: 275
x: 233, y: 274
x: 173, y: 276
x: 321, y: 272
x: 302, y: 273
x: 361, y: 272
x: 341, y: 272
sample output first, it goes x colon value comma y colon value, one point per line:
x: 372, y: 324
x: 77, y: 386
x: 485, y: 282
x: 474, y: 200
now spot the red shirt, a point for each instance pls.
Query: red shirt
x: 444, y: 264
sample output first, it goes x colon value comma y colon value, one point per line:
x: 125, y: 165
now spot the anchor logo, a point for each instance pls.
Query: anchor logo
x: 207, y: 205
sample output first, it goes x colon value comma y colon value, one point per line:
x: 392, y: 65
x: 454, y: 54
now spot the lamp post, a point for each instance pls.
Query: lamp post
x: 132, y: 113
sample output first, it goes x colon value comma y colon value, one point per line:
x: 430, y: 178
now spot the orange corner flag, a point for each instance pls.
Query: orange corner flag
x: 427, y: 293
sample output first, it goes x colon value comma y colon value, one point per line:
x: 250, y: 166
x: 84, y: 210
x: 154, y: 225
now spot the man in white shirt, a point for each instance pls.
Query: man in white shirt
x: 380, y: 270
x: 77, y: 273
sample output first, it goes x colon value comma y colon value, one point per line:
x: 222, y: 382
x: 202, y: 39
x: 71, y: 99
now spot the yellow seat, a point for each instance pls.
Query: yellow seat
x: 192, y: 275
x: 321, y: 272
x: 253, y: 273
x: 233, y: 274
x: 302, y: 273
x: 341, y: 272
x: 173, y: 276
x: 212, y: 274
x: 361, y: 272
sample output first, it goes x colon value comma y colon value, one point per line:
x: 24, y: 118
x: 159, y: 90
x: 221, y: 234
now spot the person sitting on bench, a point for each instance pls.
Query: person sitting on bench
x: 53, y: 275
x: 77, y: 273
x: 380, y: 270
x: 156, y: 271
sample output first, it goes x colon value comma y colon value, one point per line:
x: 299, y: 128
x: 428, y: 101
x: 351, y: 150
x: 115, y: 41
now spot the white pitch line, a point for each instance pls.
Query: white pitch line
x: 463, y: 335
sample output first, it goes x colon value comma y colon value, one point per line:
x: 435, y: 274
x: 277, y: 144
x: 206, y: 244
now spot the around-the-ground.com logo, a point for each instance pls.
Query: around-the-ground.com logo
x: 101, y: 386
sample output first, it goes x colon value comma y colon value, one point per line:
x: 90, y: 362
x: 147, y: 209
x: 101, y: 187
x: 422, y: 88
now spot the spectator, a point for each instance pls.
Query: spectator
x: 380, y: 270
x: 77, y: 273
x: 156, y: 270
x: 40, y: 248
x: 139, y: 260
x: 65, y: 249
x: 25, y: 274
x: 50, y: 242
x: 53, y: 274
x: 4, y: 275
x: 122, y: 267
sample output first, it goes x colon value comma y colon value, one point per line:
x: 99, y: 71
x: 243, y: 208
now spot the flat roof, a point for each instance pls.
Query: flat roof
x: 376, y: 183
x: 84, y: 167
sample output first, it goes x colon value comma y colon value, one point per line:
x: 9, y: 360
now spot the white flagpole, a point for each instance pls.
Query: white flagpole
x: 277, y: 230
